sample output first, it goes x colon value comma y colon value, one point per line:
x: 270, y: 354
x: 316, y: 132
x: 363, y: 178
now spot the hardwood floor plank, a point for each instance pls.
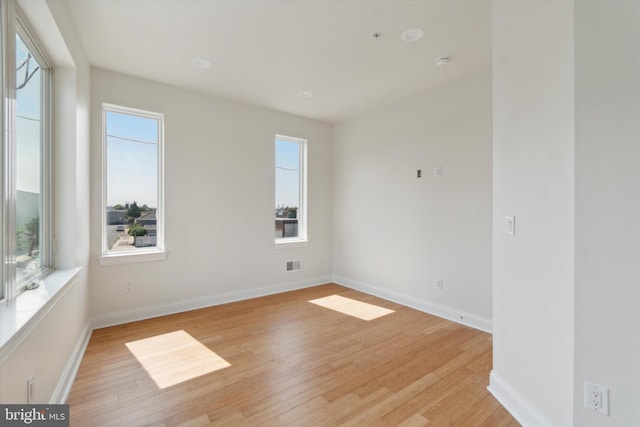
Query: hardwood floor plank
x: 482, y: 411
x: 300, y: 415
x: 456, y: 405
x: 394, y: 401
x: 415, y: 420
x: 293, y: 363
x: 341, y: 415
x: 432, y: 396
x: 202, y: 420
x: 498, y: 418
x: 266, y: 413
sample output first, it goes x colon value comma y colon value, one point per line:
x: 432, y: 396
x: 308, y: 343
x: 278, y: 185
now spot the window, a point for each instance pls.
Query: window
x: 133, y: 141
x: 26, y: 153
x: 290, y: 211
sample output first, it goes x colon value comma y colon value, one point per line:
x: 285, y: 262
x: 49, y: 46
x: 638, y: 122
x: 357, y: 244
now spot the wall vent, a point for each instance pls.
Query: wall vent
x: 293, y: 265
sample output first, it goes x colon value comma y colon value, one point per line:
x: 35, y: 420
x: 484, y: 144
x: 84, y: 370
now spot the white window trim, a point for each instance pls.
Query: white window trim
x: 21, y: 317
x: 303, y: 238
x: 14, y: 21
x: 291, y: 243
x: 158, y: 252
x: 132, y: 257
x: 46, y: 221
x: 21, y: 310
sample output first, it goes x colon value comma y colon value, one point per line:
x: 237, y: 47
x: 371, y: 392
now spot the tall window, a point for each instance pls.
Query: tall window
x: 290, y: 210
x: 26, y: 171
x: 132, y: 180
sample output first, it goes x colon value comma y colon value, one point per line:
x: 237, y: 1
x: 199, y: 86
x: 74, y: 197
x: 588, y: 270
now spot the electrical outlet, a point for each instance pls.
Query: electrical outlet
x: 439, y: 284
x: 127, y: 287
x: 596, y: 398
x: 31, y: 388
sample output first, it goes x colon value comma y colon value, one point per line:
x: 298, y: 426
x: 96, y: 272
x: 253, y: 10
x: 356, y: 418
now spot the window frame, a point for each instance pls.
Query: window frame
x: 302, y: 239
x: 15, y: 23
x: 144, y: 254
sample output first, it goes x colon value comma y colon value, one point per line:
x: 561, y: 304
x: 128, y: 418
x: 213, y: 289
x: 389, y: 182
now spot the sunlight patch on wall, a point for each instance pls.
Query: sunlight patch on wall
x: 359, y: 309
x: 173, y: 358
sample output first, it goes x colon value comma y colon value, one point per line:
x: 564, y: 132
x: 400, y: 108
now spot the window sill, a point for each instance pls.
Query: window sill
x: 20, y: 316
x: 291, y: 243
x: 132, y: 257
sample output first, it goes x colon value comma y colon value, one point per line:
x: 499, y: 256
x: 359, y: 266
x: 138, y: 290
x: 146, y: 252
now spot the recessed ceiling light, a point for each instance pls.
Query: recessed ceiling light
x: 305, y: 94
x: 413, y: 34
x: 200, y: 63
x: 443, y: 61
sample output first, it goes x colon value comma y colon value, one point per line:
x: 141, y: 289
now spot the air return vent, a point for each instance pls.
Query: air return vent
x: 293, y: 265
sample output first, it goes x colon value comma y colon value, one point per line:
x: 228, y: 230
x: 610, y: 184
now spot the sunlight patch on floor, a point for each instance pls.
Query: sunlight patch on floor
x: 173, y: 358
x: 359, y: 309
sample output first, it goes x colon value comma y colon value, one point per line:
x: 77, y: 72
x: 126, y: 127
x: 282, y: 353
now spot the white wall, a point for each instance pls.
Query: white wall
x: 607, y: 294
x: 395, y: 234
x: 219, y: 203
x: 392, y: 233
x: 533, y: 180
x: 52, y: 344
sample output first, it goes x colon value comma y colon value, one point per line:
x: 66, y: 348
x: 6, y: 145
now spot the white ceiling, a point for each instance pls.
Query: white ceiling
x: 264, y: 52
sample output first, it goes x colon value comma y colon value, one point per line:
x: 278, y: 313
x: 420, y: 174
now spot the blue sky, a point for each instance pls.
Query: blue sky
x: 132, y: 159
x: 28, y: 120
x: 287, y: 173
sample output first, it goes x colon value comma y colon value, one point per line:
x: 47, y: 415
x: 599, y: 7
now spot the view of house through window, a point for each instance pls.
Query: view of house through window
x: 290, y: 188
x: 133, y: 141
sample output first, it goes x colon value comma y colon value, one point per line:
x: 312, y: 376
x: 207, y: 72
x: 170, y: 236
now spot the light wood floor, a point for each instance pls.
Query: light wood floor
x: 292, y: 363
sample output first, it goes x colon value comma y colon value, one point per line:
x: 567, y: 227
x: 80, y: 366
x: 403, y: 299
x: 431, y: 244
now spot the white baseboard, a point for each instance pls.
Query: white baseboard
x: 144, y: 313
x: 515, y: 404
x: 61, y: 392
x: 449, y: 313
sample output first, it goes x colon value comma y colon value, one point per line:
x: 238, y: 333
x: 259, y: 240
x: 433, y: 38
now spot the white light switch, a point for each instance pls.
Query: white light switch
x: 437, y: 171
x: 510, y: 226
